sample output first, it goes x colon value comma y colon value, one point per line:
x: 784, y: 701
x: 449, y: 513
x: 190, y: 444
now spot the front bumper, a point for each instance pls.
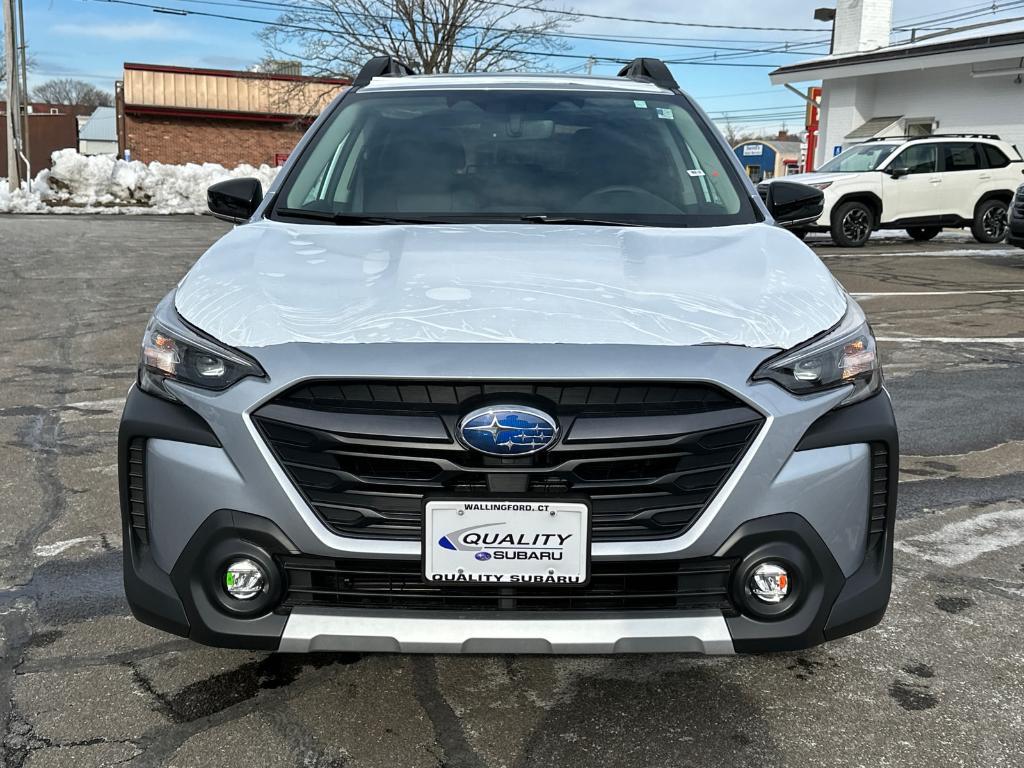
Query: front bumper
x: 804, y: 490
x: 413, y: 632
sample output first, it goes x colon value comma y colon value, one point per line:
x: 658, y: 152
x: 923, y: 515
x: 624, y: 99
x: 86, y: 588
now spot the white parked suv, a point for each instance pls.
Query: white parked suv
x: 921, y: 185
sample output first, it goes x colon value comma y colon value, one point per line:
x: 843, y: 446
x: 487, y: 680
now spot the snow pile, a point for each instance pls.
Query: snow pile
x: 103, y: 184
x: 19, y: 201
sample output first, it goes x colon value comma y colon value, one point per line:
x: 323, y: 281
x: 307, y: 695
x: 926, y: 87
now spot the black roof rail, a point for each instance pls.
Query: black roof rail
x: 649, y: 71
x: 382, y: 66
x: 993, y: 136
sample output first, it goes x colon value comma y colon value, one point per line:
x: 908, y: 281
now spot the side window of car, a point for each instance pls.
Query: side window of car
x: 961, y: 156
x: 918, y: 158
x: 995, y: 156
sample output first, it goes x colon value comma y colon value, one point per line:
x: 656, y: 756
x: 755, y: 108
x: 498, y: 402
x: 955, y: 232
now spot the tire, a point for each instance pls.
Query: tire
x: 923, y: 233
x: 989, y: 225
x: 852, y: 224
x: 800, y: 234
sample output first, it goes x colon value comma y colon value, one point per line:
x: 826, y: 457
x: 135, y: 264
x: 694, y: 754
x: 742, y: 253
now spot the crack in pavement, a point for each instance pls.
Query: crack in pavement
x: 43, y: 435
x: 1002, y: 459
x: 271, y: 682
x: 447, y: 725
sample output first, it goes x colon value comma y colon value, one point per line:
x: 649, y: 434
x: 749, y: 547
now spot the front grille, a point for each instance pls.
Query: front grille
x: 367, y: 455
x: 879, y: 491
x: 629, y: 586
x: 137, y: 489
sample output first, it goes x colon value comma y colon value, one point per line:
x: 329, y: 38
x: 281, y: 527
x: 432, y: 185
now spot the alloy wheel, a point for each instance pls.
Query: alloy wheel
x: 857, y: 225
x: 993, y: 222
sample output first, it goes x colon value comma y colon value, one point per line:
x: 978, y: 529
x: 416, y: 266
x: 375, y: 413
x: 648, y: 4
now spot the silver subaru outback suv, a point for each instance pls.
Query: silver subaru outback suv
x: 509, y: 363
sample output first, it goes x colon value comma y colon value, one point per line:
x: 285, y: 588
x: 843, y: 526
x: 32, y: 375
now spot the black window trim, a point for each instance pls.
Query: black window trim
x: 982, y: 159
x: 993, y: 148
x: 897, y: 153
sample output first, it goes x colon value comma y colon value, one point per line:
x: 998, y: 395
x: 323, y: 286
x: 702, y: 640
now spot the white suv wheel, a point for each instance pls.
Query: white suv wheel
x: 990, y: 222
x: 852, y: 224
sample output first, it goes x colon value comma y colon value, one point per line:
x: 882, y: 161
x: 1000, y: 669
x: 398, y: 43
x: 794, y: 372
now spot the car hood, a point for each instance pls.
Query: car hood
x: 272, y: 283
x: 815, y: 178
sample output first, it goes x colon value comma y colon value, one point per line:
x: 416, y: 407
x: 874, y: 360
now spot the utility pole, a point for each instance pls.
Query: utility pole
x: 13, y: 100
x: 591, y: 61
x: 26, y: 107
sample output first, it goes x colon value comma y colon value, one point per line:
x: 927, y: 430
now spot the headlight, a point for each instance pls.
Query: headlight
x: 821, y: 185
x: 172, y: 350
x: 845, y: 355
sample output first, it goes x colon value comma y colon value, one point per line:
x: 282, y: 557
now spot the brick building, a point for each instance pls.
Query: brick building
x: 182, y: 115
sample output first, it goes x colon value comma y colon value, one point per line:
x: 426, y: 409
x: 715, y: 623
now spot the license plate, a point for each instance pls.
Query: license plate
x: 506, y: 542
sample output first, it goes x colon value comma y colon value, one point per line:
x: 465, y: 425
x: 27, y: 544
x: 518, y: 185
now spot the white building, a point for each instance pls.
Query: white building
x: 97, y: 133
x: 968, y: 81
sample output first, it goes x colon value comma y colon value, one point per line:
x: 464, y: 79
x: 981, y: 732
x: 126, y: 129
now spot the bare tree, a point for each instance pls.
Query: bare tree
x: 336, y: 37
x: 68, y: 91
x: 729, y: 130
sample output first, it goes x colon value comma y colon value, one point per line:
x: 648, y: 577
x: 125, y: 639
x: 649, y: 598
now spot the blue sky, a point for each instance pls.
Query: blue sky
x: 91, y: 39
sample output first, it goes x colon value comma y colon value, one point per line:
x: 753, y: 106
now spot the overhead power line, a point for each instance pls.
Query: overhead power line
x: 802, y: 49
x: 785, y: 48
x: 287, y: 7
x: 966, y: 13
x: 307, y: 28
x: 666, y: 22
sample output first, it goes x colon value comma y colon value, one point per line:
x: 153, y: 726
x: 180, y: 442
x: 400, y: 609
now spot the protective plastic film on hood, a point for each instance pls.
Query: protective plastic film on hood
x: 271, y: 283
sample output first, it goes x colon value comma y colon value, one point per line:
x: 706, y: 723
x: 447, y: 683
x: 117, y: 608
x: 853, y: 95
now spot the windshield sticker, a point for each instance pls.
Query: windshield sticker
x: 694, y: 172
x: 640, y: 104
x: 665, y: 113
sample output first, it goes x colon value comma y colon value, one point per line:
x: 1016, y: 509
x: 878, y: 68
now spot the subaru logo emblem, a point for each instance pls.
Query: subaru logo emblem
x: 507, y: 430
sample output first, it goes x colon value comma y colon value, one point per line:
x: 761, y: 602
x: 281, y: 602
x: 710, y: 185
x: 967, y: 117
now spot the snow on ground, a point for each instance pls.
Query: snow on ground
x: 103, y: 184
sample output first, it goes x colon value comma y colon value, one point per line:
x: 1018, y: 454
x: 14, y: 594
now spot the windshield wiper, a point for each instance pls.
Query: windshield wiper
x: 349, y: 218
x: 541, y: 219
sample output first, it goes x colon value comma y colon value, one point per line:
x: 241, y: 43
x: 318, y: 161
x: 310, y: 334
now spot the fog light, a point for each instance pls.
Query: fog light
x: 769, y: 583
x: 243, y: 580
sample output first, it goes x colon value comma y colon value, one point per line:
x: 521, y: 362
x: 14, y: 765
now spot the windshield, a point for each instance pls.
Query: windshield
x: 865, y: 157
x: 502, y: 155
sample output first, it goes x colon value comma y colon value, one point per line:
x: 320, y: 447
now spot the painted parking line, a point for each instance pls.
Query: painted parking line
x: 951, y: 253
x: 953, y: 339
x: 980, y: 291
x: 960, y: 542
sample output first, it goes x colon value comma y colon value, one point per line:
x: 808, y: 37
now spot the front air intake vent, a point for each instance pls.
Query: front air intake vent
x: 137, y: 489
x: 879, y: 492
x: 647, y: 585
x: 367, y: 455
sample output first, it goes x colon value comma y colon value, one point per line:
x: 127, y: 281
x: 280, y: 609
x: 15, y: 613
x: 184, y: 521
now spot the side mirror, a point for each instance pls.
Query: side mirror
x: 898, y: 173
x: 792, y: 204
x: 234, y: 200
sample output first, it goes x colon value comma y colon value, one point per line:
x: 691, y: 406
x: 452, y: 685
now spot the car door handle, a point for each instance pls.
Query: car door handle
x: 985, y: 176
x: 935, y: 180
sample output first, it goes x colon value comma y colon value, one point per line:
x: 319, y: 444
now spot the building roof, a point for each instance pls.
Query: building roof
x: 159, y: 89
x: 874, y: 127
x: 101, y: 125
x: 46, y: 108
x: 969, y: 45
x: 783, y: 148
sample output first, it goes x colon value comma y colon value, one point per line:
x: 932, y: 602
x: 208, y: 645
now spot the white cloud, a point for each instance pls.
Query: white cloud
x: 147, y: 30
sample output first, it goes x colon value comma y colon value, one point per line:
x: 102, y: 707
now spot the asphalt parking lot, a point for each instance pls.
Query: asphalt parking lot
x: 939, y: 683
